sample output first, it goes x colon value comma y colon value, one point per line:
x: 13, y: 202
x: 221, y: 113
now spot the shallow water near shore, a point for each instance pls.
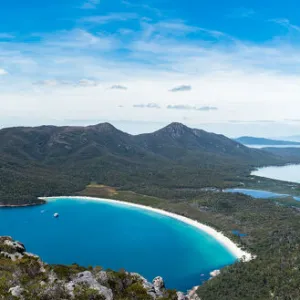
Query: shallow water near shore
x: 117, y: 236
x: 258, y: 194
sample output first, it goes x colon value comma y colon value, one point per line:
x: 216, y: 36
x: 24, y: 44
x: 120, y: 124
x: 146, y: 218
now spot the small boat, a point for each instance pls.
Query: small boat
x: 56, y: 215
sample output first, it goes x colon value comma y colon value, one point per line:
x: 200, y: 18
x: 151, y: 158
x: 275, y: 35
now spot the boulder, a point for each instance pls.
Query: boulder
x: 181, y: 296
x: 18, y: 247
x: 102, y: 277
x: 159, y: 286
x: 215, y: 273
x: 88, y: 279
x: 192, y: 294
x: 17, y: 291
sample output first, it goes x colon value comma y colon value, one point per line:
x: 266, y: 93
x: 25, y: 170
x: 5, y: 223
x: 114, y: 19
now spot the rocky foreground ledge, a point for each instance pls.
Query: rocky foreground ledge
x: 25, y: 276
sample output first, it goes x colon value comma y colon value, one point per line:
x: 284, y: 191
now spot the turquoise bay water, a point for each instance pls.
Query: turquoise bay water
x: 116, y: 236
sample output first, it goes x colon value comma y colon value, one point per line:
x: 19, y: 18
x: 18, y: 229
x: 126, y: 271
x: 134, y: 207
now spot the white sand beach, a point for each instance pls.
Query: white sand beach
x: 219, y: 236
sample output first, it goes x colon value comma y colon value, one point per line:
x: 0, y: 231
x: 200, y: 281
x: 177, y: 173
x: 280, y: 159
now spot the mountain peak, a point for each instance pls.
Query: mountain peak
x: 104, y: 127
x: 175, y: 129
x: 176, y: 125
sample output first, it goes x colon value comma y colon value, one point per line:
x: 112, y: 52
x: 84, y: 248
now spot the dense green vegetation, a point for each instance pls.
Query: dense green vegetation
x: 167, y: 169
x: 50, y: 160
x: 291, y: 154
x: 272, y: 229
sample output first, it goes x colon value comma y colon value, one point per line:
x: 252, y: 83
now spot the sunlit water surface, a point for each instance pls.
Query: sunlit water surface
x: 116, y: 236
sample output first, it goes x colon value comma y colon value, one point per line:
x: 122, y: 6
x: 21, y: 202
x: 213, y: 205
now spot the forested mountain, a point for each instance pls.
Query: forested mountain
x: 49, y: 160
x: 51, y: 145
x: 249, y: 140
x: 288, y: 153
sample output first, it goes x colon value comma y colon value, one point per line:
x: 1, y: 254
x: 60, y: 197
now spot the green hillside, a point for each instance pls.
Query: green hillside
x: 49, y: 160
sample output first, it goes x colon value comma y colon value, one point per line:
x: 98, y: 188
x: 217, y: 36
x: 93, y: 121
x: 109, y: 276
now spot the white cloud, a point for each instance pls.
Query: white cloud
x: 149, y: 105
x: 49, y: 82
x: 90, y: 4
x: 181, y: 88
x: 3, y: 72
x: 64, y: 83
x: 286, y: 23
x: 75, y: 70
x: 87, y: 82
x: 189, y: 107
x: 6, y: 36
x: 118, y: 87
x: 173, y: 28
x: 79, y: 39
x: 112, y: 17
x: 142, y: 6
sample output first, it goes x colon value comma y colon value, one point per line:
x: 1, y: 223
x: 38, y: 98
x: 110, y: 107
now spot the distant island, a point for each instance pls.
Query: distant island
x: 248, y: 140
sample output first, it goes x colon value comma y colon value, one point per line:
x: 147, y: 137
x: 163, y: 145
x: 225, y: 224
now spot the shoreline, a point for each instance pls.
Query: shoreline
x: 219, y: 236
x: 21, y: 205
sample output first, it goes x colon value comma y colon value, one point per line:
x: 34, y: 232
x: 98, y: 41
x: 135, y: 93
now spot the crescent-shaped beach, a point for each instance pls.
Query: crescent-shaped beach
x: 239, y: 253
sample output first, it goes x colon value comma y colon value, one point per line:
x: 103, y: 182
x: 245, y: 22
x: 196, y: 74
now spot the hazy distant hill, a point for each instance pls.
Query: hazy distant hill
x: 248, y: 140
x: 49, y: 160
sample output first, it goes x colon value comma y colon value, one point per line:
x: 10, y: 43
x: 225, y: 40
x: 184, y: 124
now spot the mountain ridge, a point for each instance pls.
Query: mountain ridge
x: 53, y: 160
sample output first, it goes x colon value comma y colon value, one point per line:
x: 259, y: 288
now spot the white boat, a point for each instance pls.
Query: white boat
x: 56, y: 215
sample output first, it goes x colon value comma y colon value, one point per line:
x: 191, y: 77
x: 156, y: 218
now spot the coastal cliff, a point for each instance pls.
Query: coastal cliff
x: 25, y: 276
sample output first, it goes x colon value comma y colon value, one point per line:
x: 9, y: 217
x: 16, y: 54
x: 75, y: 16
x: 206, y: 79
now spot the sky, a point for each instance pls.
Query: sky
x: 230, y: 67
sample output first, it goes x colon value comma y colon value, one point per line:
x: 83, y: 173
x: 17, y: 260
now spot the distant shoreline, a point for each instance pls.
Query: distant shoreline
x: 20, y: 205
x: 219, y: 236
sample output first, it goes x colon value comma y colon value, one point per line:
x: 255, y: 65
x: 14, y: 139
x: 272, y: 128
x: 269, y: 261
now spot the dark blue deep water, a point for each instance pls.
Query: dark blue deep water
x: 116, y: 236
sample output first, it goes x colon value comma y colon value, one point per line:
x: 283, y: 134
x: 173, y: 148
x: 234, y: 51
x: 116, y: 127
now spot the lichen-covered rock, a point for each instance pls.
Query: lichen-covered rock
x: 17, y: 246
x: 181, y: 296
x: 11, y: 249
x: 159, y: 285
x: 154, y: 292
x: 17, y: 292
x: 102, y: 277
x: 192, y: 294
x: 13, y: 256
x: 215, y: 273
x: 88, y: 279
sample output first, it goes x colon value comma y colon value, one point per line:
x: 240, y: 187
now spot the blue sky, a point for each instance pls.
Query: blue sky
x: 226, y: 66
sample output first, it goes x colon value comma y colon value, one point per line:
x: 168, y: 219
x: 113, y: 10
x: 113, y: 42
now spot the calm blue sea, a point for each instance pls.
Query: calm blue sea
x: 116, y: 236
